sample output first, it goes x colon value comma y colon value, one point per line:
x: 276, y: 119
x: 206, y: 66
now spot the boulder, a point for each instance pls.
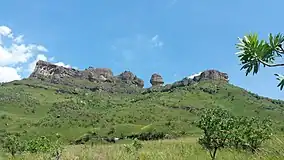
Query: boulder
x: 156, y: 80
x: 99, y: 74
x: 129, y: 78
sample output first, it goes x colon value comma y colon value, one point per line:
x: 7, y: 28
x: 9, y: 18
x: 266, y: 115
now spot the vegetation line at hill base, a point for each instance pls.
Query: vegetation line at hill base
x: 180, y: 149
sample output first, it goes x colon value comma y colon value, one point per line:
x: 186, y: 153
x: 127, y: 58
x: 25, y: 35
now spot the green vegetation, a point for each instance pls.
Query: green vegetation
x: 179, y: 149
x: 254, y: 52
x: 221, y: 129
x: 33, y: 113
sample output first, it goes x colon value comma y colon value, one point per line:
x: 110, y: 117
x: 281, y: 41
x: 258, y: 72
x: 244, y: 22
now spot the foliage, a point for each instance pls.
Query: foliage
x: 254, y: 52
x: 250, y: 133
x: 170, y: 113
x: 222, y: 129
x: 39, y: 144
x: 146, y: 136
x: 13, y: 145
x: 180, y: 149
x: 216, y: 125
x: 137, y: 144
x: 134, y: 147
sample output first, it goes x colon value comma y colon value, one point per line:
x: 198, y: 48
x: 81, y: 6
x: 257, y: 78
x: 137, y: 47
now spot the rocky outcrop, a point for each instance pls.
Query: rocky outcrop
x: 48, y: 70
x: 103, y: 78
x: 191, y: 80
x: 156, y: 80
x: 56, y: 74
x: 183, y: 82
x: 129, y: 78
x: 99, y: 74
x: 212, y: 75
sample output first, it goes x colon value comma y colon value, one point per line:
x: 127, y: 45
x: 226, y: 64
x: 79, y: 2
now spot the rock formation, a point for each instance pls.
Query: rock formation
x: 212, y: 75
x: 156, y: 80
x: 129, y: 78
x: 103, y: 78
x: 55, y: 74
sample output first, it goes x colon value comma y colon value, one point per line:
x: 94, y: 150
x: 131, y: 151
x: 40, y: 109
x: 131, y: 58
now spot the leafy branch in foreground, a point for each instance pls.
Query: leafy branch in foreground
x: 254, y: 52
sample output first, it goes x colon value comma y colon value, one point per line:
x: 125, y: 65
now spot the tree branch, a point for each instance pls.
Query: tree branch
x: 270, y: 64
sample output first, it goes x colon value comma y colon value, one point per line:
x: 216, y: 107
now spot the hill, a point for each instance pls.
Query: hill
x: 74, y: 103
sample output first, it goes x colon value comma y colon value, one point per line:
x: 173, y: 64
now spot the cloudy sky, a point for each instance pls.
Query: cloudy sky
x: 175, y: 38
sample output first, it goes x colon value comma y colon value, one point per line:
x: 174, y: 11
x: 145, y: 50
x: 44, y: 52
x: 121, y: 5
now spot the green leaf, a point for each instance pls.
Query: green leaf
x: 281, y: 79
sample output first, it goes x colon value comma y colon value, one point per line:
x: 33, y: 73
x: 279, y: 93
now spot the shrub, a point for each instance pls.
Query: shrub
x: 216, y: 124
x: 146, y: 136
x: 39, y: 144
x: 221, y: 129
x: 13, y: 145
x: 250, y: 133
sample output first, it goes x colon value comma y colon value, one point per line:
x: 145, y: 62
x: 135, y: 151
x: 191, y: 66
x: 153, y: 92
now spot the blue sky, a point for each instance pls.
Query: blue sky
x: 174, y: 38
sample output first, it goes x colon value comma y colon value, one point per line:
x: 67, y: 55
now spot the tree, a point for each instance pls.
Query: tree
x: 222, y: 129
x: 13, y: 145
x: 216, y: 124
x: 250, y: 133
x: 254, y: 52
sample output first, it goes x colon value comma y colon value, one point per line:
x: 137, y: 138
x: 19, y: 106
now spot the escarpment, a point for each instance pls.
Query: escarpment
x: 104, y: 79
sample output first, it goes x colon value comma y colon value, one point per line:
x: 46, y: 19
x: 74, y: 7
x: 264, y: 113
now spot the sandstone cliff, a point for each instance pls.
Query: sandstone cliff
x: 104, y: 79
x: 57, y: 74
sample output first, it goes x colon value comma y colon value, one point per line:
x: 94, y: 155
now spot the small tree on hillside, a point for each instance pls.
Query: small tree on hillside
x: 13, y: 145
x: 221, y: 129
x: 253, y: 53
x: 216, y: 124
x: 250, y: 133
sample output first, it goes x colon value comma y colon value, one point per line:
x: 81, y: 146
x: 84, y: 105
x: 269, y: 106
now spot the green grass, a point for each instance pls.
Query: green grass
x: 180, y: 149
x: 37, y: 108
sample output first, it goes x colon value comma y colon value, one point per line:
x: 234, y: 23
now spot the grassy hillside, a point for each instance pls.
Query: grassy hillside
x: 33, y: 107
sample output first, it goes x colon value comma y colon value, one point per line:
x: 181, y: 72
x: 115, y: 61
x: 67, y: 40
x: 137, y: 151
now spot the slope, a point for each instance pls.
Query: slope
x: 35, y: 107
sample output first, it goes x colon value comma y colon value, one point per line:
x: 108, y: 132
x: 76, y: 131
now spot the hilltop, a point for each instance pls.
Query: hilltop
x: 55, y: 99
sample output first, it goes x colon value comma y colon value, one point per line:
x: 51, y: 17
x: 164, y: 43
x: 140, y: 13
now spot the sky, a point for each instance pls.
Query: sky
x: 175, y: 38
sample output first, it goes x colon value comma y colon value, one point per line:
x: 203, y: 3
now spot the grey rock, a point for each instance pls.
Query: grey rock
x: 212, y: 75
x: 62, y: 75
x: 156, y: 80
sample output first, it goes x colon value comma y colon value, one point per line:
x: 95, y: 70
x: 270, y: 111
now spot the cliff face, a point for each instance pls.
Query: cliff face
x: 55, y: 74
x: 105, y: 78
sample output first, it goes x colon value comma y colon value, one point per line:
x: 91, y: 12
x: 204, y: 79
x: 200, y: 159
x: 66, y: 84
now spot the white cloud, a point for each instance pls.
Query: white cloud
x: 19, y: 57
x: 8, y: 74
x: 62, y: 64
x: 17, y: 52
x: 41, y: 48
x: 156, y: 42
x: 5, y: 31
x: 19, y: 39
x: 193, y: 75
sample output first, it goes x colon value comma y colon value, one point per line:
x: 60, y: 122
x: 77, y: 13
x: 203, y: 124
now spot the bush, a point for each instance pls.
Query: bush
x: 221, y: 129
x: 13, y: 145
x: 146, y: 136
x: 39, y: 144
x: 250, y: 133
x: 216, y: 125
